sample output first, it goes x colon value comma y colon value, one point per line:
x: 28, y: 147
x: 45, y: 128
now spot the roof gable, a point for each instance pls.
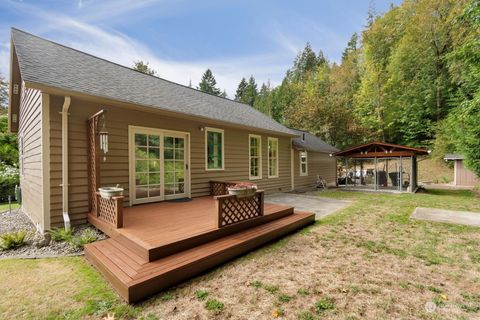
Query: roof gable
x: 50, y: 64
x: 380, y: 149
x: 310, y: 142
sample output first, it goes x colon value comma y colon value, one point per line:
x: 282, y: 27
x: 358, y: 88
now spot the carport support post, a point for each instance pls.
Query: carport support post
x: 355, y: 172
x: 376, y: 173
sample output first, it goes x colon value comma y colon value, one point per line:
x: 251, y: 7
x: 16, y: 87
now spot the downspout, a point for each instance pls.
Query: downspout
x: 66, y: 106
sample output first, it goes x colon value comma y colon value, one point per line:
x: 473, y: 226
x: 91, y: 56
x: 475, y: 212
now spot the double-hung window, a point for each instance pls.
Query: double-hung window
x: 272, y: 157
x: 303, y: 163
x: 214, y: 149
x: 255, y: 156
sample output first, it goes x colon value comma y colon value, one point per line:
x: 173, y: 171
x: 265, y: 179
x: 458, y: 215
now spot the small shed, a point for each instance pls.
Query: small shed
x: 461, y: 175
x: 379, y: 166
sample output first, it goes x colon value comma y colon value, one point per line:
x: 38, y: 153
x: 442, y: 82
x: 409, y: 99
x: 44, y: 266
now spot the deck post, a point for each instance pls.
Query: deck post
x: 119, y: 209
x: 218, y: 208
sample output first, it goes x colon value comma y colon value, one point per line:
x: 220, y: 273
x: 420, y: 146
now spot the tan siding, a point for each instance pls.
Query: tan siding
x: 318, y: 164
x: 30, y: 131
x: 116, y: 168
x: 463, y: 176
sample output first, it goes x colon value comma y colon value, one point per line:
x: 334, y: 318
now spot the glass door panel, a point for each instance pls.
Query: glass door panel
x: 174, y: 166
x: 147, y: 166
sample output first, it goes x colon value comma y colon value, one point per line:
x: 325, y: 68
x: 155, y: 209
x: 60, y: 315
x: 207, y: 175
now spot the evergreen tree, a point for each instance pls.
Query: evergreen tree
x: 304, y: 64
x: 143, y: 67
x: 3, y: 93
x: 208, y: 84
x: 241, y: 90
x: 250, y: 93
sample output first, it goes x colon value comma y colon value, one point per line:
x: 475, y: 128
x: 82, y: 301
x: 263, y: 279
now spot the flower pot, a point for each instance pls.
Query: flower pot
x: 242, y: 192
x: 109, y: 192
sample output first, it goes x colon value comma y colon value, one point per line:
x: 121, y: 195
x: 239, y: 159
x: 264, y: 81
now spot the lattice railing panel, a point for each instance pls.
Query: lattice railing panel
x: 110, y: 210
x: 220, y: 188
x: 233, y: 210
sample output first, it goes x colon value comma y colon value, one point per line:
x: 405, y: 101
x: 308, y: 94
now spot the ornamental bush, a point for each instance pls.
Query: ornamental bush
x: 9, y: 178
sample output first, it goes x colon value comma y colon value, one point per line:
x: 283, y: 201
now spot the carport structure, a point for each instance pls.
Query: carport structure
x: 379, y: 166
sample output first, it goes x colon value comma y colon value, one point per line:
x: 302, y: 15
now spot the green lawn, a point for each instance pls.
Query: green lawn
x: 5, y: 206
x: 368, y: 261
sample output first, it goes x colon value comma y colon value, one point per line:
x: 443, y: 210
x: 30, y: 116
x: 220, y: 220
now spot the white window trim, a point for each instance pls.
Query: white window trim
x: 303, y: 174
x: 250, y: 158
x: 209, y: 129
x: 268, y: 156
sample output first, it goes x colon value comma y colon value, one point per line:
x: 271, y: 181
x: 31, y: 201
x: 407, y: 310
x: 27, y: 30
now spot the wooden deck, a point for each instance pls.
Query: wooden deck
x: 165, y: 243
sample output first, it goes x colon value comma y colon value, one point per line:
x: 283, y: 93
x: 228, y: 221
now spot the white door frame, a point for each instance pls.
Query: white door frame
x: 131, y: 162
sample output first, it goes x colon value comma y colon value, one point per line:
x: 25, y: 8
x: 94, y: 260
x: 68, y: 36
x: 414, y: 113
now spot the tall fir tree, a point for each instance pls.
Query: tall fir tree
x: 208, y: 84
x: 143, y: 67
x: 241, y: 90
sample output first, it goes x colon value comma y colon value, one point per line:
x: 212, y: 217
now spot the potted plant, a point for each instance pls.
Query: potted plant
x: 109, y: 192
x: 243, y: 189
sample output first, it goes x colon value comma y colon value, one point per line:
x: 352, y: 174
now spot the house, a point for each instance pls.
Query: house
x: 462, y: 176
x: 380, y: 166
x: 312, y: 157
x: 85, y: 123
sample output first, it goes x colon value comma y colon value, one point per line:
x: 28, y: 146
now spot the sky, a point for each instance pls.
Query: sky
x: 182, y: 38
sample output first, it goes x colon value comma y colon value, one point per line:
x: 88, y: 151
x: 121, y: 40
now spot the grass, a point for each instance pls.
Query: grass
x: 5, y: 206
x: 56, y: 288
x: 367, y: 261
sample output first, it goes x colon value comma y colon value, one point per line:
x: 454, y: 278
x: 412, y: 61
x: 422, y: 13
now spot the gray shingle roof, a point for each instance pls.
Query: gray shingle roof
x: 48, y: 63
x: 311, y: 142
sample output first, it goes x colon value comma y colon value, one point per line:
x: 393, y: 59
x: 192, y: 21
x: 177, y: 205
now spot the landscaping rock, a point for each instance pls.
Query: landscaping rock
x: 37, y: 245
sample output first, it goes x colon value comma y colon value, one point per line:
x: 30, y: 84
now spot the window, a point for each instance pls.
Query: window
x: 255, y: 147
x: 214, y: 154
x: 272, y: 157
x: 303, y: 163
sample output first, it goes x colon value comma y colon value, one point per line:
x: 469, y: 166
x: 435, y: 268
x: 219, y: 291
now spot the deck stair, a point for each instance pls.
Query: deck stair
x: 137, y: 272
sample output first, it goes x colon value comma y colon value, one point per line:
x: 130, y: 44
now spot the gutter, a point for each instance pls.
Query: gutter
x: 64, y: 185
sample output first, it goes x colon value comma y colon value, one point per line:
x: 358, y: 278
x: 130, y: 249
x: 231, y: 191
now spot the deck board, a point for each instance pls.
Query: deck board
x: 162, y: 244
x: 135, y: 281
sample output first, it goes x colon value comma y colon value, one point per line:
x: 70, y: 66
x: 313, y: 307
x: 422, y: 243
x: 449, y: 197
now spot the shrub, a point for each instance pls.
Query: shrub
x: 201, y: 294
x: 61, y: 234
x: 87, y: 236
x: 9, y: 178
x: 214, y: 304
x: 324, y: 304
x: 12, y: 240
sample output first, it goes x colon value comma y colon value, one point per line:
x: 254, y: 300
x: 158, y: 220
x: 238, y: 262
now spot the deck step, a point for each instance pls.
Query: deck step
x: 152, y: 253
x: 135, y: 279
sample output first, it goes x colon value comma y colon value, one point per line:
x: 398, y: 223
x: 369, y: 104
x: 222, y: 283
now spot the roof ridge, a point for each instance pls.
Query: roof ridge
x: 128, y: 68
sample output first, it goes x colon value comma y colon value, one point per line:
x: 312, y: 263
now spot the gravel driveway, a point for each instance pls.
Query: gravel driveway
x: 302, y: 202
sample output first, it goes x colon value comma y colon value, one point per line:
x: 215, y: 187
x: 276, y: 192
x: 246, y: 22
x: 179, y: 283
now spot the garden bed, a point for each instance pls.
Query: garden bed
x: 16, y: 221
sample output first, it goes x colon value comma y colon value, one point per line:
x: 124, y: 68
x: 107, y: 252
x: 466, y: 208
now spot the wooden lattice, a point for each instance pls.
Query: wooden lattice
x: 110, y: 210
x: 233, y: 210
x: 220, y: 188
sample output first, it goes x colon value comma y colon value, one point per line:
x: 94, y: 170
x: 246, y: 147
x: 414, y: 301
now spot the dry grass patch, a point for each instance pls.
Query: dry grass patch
x: 61, y: 288
x: 369, y: 261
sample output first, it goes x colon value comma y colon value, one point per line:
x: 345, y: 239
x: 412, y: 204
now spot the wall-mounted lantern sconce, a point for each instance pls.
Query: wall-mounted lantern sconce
x: 201, y: 128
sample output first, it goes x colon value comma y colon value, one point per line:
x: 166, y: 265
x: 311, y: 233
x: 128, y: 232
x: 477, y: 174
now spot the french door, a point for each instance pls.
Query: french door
x: 158, y: 165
